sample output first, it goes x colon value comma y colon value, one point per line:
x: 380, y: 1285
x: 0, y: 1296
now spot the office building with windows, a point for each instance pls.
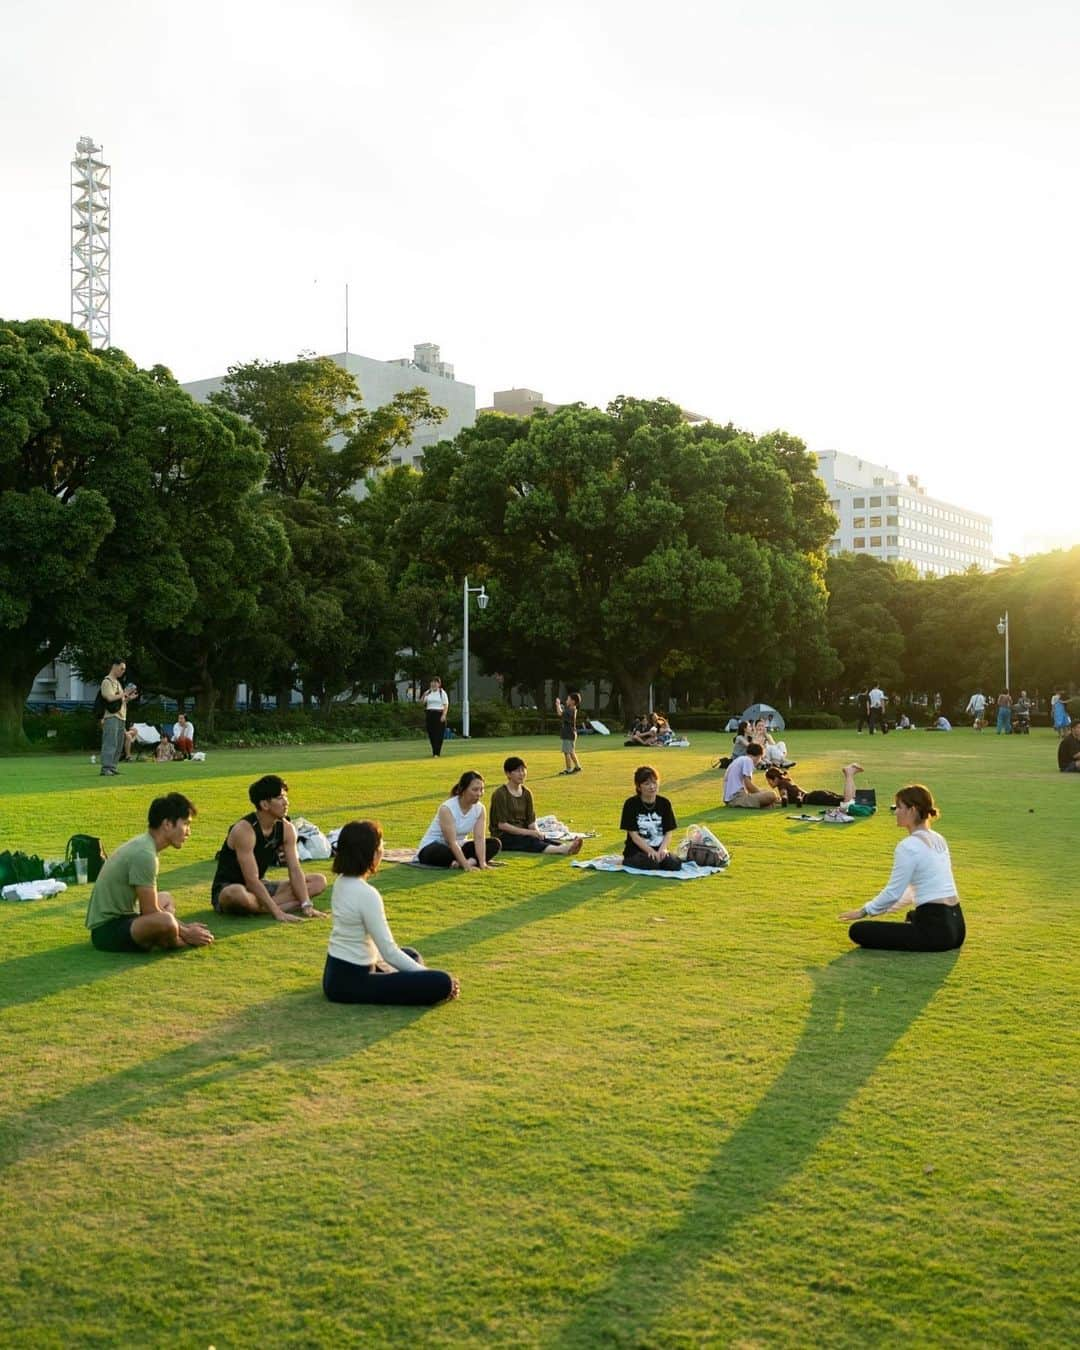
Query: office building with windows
x: 898, y: 521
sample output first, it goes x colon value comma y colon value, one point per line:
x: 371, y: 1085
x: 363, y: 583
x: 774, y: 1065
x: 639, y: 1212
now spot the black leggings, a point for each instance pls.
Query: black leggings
x: 439, y: 855
x: 927, y: 928
x: 436, y: 730
x: 344, y: 982
x: 635, y: 858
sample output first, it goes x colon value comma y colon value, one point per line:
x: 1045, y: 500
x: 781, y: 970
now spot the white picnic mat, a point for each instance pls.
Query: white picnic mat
x: 612, y: 862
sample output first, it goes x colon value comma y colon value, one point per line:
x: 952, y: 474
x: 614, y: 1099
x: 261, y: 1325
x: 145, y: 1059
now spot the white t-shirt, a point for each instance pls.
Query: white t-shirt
x: 183, y: 733
x: 876, y: 697
x: 435, y: 700
x: 976, y: 704
x: 921, y: 862
x: 737, y: 770
x: 360, y: 933
x: 464, y: 823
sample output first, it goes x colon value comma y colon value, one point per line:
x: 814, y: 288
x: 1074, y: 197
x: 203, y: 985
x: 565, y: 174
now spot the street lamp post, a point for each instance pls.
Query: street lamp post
x: 482, y: 598
x: 1003, y: 631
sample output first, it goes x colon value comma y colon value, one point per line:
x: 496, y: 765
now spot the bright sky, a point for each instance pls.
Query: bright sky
x: 856, y: 220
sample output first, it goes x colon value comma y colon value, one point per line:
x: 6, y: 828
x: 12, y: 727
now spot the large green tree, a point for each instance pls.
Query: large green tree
x: 110, y: 477
x: 611, y: 539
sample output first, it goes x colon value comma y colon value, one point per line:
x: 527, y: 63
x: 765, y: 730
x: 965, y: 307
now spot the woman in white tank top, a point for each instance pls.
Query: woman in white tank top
x: 921, y: 876
x: 446, y: 841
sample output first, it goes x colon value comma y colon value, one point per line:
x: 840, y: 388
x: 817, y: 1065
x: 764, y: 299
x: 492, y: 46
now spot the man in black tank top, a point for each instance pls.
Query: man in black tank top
x: 265, y: 838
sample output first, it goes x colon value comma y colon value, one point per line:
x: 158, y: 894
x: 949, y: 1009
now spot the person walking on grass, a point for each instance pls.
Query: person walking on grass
x: 976, y: 708
x: 568, y: 711
x: 436, y: 706
x: 1004, y: 713
x: 513, y: 815
x: 649, y: 822
x: 921, y: 876
x: 127, y: 912
x: 364, y: 964
x: 264, y: 838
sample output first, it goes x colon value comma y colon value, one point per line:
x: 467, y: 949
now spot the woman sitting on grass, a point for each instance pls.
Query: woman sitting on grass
x: 460, y: 815
x: 360, y: 937
x: 921, y: 876
x: 649, y: 822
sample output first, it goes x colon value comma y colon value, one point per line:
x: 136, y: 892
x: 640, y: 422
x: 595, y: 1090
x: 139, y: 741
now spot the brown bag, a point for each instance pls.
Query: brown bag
x: 704, y: 855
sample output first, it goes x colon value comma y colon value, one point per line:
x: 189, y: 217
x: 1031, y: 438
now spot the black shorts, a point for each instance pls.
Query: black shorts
x: 114, y: 935
x: 522, y: 843
x: 219, y: 886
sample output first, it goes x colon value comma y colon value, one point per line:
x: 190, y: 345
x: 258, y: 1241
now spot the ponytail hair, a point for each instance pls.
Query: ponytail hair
x: 920, y: 799
x: 468, y: 777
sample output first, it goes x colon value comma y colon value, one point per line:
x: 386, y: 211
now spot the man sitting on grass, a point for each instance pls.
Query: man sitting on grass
x: 1069, y: 749
x: 739, y: 787
x: 127, y: 912
x: 513, y: 816
x: 262, y: 839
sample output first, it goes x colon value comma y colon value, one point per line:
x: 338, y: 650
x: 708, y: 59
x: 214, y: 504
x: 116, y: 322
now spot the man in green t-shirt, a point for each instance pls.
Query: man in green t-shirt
x: 127, y: 912
x: 513, y: 815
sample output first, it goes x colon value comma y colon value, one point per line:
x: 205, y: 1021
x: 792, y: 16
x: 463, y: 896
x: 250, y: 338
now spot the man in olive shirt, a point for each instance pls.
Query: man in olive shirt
x: 127, y: 912
x: 114, y: 723
x: 513, y: 816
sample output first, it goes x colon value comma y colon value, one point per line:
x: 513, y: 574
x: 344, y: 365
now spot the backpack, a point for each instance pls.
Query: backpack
x: 102, y: 706
x: 88, y: 847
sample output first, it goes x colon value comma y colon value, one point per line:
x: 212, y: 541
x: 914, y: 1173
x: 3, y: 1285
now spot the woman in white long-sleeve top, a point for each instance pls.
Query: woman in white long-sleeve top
x: 921, y: 876
x: 360, y: 937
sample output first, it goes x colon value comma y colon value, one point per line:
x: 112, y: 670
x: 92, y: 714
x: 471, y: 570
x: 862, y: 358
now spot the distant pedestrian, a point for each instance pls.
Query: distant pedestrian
x: 436, y: 706
x: 1004, y: 713
x: 568, y: 711
x: 1059, y: 713
x: 862, y: 702
x: 876, y: 699
x: 976, y: 709
x: 115, y: 696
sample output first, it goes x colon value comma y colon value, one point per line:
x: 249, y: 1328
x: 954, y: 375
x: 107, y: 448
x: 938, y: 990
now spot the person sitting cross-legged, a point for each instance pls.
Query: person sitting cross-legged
x: 649, y: 822
x: 446, y: 841
x: 262, y: 839
x: 364, y: 964
x: 739, y: 787
x: 513, y: 815
x: 127, y: 912
x: 1068, y: 750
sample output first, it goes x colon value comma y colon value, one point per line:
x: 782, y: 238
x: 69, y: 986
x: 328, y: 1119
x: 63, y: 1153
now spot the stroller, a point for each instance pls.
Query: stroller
x: 1021, y: 720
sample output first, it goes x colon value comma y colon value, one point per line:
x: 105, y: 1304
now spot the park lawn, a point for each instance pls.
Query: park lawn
x: 661, y: 1113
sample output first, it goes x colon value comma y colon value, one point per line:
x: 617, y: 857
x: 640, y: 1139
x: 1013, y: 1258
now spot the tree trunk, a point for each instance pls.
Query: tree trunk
x: 634, y: 688
x: 13, y: 695
x: 206, y: 702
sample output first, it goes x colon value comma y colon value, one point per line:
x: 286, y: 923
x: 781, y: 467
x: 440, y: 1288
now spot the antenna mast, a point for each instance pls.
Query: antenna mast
x: 90, y: 189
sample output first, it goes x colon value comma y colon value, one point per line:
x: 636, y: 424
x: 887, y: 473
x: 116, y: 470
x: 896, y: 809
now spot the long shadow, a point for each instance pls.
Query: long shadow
x: 862, y: 1004
x: 299, y: 1029
x: 506, y: 920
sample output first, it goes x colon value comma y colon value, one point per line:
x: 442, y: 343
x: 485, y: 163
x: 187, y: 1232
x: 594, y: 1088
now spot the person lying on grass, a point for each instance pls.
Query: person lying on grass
x: 127, y: 912
x: 921, y: 876
x: 792, y: 795
x: 264, y: 838
x: 361, y: 943
x: 513, y: 815
x: 463, y: 813
x: 649, y: 822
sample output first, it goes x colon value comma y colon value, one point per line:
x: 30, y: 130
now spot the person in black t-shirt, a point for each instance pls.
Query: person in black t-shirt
x: 1069, y: 750
x: 649, y: 822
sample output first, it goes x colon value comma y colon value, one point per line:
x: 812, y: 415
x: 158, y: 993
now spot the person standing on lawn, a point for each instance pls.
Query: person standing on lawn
x: 568, y: 711
x: 114, y: 723
x: 262, y: 839
x: 127, y: 912
x: 436, y: 706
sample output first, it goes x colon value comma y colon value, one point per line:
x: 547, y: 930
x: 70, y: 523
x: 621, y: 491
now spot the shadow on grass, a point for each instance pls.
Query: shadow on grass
x: 299, y: 1029
x: 862, y: 1003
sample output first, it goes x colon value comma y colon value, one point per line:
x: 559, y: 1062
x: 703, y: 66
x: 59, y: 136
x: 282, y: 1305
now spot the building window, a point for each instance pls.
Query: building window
x: 875, y: 501
x: 858, y: 523
x: 891, y: 501
x: 875, y: 541
x: 859, y: 503
x: 875, y: 522
x: 860, y: 542
x: 892, y: 521
x: 892, y: 541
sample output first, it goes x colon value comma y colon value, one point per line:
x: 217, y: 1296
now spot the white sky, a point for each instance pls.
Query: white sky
x: 856, y: 220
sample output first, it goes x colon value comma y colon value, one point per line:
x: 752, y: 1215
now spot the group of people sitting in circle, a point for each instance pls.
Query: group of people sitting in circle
x: 650, y: 729
x: 364, y: 964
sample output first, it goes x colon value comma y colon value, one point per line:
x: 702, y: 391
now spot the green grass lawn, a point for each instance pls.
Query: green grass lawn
x: 660, y: 1114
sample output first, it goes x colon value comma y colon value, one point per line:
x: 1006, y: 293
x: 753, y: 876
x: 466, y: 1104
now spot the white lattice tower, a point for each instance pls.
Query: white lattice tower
x: 90, y: 242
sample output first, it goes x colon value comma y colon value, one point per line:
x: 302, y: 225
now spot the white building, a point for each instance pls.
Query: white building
x: 379, y: 381
x: 897, y: 521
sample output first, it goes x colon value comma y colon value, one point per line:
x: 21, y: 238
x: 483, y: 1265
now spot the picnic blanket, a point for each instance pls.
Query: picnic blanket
x: 612, y: 862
